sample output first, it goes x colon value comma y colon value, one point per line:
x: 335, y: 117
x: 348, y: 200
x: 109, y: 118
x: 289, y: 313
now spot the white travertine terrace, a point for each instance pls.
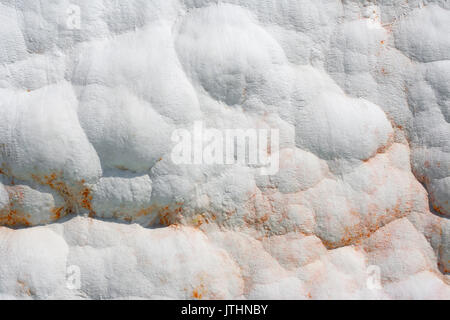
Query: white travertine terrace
x: 360, y: 91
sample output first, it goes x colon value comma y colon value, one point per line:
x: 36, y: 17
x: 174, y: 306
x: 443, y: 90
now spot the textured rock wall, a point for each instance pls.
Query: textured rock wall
x: 359, y: 91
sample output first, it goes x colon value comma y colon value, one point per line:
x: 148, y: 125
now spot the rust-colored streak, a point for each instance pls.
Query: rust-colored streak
x: 196, y: 294
x: 86, y: 199
x: 13, y: 218
x: 57, y: 212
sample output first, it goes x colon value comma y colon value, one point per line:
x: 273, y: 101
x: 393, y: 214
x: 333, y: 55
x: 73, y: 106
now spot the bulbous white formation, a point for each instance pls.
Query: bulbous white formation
x: 360, y: 94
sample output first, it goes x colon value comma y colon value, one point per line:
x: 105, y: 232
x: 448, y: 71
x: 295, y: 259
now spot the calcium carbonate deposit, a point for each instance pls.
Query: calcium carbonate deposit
x: 98, y: 99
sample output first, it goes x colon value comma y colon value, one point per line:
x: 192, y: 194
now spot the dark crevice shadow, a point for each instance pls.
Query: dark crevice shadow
x: 86, y: 215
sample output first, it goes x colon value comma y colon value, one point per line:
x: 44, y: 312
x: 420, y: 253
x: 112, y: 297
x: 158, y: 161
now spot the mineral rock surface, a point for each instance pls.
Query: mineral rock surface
x: 93, y: 206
